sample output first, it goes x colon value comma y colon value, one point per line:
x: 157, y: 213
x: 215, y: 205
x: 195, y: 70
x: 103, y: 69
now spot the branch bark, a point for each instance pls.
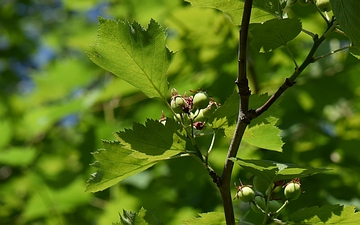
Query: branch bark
x: 244, y: 92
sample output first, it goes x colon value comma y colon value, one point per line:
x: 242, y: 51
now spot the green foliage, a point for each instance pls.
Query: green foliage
x: 136, y: 150
x: 274, y: 33
x: 329, y: 214
x: 346, y: 14
x: 56, y: 106
x: 135, y: 54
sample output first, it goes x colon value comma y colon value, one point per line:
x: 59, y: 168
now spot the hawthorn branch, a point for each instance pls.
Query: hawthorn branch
x: 290, y: 81
x: 244, y: 92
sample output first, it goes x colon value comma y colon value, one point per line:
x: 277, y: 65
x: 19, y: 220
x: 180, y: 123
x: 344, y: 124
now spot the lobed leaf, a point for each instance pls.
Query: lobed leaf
x: 273, y: 171
x: 135, y: 54
x: 153, y: 138
x: 329, y: 214
x: 346, y: 13
x: 265, y: 136
x: 274, y: 33
x: 262, y: 9
x: 136, y: 150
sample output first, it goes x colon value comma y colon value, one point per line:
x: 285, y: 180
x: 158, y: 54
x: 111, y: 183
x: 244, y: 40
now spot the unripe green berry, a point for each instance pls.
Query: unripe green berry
x: 177, y: 104
x: 201, y: 100
x: 210, y: 109
x: 246, y: 194
x: 199, y: 116
x: 292, y: 191
x: 324, y: 5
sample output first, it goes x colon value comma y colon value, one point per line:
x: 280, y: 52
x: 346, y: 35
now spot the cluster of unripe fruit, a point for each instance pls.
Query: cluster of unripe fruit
x: 323, y: 5
x: 194, y: 109
x: 261, y: 197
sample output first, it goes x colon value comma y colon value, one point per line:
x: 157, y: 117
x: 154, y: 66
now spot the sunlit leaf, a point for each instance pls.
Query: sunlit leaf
x: 135, y: 54
x: 153, y: 138
x: 274, y: 33
x: 265, y: 136
x: 329, y: 214
x: 138, y: 149
x: 273, y: 171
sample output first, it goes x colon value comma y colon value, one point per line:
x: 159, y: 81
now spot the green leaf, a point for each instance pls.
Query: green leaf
x: 153, y: 138
x: 262, y: 9
x: 261, y: 132
x: 135, y: 54
x: 211, y: 218
x: 274, y: 33
x: 137, y: 150
x: 347, y: 15
x: 138, y: 218
x: 227, y: 114
x: 264, y: 136
x: 273, y: 171
x: 329, y: 214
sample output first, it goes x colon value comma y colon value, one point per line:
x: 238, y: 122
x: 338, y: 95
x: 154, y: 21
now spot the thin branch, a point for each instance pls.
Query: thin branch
x: 330, y: 53
x: 242, y: 123
x: 291, y: 80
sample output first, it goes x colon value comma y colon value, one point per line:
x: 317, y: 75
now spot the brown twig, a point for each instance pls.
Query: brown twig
x: 244, y: 92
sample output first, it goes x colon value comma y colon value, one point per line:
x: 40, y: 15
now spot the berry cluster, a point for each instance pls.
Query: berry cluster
x: 261, y: 194
x: 193, y: 110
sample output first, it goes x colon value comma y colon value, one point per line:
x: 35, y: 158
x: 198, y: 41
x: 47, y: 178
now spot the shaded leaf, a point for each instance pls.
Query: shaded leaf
x: 274, y: 33
x: 262, y: 9
x: 329, y: 214
x: 347, y: 15
x: 211, y: 218
x: 135, y: 54
x: 119, y: 160
x: 273, y: 171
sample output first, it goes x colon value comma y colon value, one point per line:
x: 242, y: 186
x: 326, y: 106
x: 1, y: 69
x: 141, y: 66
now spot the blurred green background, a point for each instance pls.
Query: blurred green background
x: 56, y: 106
